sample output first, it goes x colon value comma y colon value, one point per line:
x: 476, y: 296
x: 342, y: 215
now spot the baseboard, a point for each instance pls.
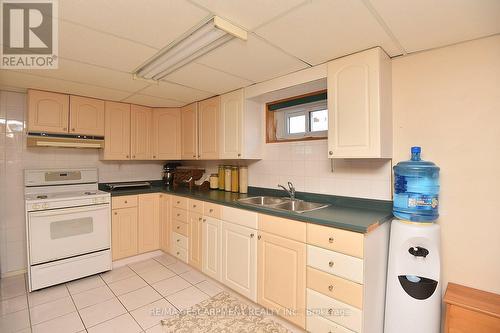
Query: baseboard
x: 13, y: 273
x: 139, y: 257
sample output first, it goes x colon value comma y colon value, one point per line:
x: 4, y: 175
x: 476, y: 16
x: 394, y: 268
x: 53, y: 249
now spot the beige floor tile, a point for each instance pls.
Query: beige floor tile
x: 47, y: 295
x: 171, y: 286
x: 186, y: 298
x: 101, y: 312
x: 151, y: 314
x: 210, y: 288
x: 84, y: 284
x: 179, y: 267
x: 13, y: 304
x: 69, y: 323
x: 117, y: 274
x: 157, y: 274
x: 51, y: 310
x: 139, y: 297
x: 127, y: 285
x: 12, y: 286
x: 145, y: 265
x: 193, y: 276
x: 166, y: 259
x: 156, y: 329
x: 92, y: 296
x: 15, y: 321
x: 122, y: 324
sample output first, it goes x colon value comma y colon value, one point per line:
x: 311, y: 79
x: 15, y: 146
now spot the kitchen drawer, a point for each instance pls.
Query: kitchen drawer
x: 125, y: 201
x: 334, y: 310
x: 335, y: 263
x: 333, y: 286
x: 347, y: 242
x: 318, y: 324
x: 181, y: 254
x: 290, y: 229
x: 180, y: 215
x: 239, y: 216
x: 180, y: 202
x: 212, y: 210
x: 180, y: 227
x: 195, y: 206
x: 179, y: 240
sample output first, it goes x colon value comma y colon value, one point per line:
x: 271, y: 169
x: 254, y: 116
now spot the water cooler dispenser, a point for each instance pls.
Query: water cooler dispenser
x: 413, y: 294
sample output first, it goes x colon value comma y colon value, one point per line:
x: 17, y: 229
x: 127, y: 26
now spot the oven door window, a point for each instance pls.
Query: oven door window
x: 73, y: 227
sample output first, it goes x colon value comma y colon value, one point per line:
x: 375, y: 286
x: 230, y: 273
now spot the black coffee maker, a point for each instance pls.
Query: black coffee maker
x: 168, y: 172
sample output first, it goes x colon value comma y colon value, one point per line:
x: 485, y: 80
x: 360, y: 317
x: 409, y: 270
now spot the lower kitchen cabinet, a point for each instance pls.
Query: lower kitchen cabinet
x: 165, y: 222
x: 281, y: 267
x: 211, y: 247
x: 195, y: 239
x: 239, y: 259
x: 124, y: 232
x: 148, y: 237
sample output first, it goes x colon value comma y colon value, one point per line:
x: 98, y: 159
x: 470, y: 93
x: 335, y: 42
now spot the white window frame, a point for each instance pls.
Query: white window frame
x: 303, y: 109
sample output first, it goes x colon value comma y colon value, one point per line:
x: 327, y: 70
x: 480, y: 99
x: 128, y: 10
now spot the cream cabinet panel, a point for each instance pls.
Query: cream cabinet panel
x: 208, y: 114
x: 116, y: 131
x: 166, y: 141
x: 212, y: 251
x: 239, y: 259
x: 47, y: 112
x: 165, y: 222
x: 86, y: 116
x: 281, y: 271
x: 124, y: 232
x: 148, y: 236
x: 189, y: 132
x: 195, y: 239
x: 359, y: 106
x: 140, y: 132
x: 231, y: 112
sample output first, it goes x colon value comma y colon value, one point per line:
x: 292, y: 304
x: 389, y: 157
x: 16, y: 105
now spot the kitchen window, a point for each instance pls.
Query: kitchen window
x: 300, y: 118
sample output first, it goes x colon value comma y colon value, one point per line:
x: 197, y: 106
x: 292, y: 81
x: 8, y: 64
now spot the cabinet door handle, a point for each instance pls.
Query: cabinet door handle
x: 154, y: 156
x: 330, y: 240
x: 239, y: 155
x: 330, y: 311
x: 199, y: 218
x: 210, y: 210
x: 65, y: 128
x: 259, y: 237
x: 178, y: 214
x: 194, y: 156
x: 178, y: 240
x: 330, y: 153
x: 178, y: 253
x: 330, y: 287
x: 194, y: 206
x: 126, y: 201
x: 116, y: 213
x: 72, y: 130
x: 330, y: 264
x: 133, y: 156
x: 204, y: 220
x: 178, y: 227
x: 178, y: 202
x: 252, y: 235
x: 126, y: 156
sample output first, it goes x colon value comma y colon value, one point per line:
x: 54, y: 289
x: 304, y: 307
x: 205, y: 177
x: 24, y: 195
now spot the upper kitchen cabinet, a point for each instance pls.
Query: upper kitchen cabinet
x: 166, y: 140
x: 359, y: 106
x: 140, y: 132
x: 116, y: 131
x: 240, y: 127
x: 208, y: 116
x: 189, y: 132
x: 86, y: 116
x: 48, y: 112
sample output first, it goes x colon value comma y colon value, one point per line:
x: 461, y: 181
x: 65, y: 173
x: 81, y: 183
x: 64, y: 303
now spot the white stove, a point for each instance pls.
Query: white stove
x: 68, y: 226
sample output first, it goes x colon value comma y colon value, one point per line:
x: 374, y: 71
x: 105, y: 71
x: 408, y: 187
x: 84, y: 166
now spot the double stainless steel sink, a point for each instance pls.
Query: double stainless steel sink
x: 286, y: 204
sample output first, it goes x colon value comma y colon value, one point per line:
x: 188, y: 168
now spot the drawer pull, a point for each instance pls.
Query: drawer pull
x: 116, y: 213
x: 259, y: 237
x: 330, y: 311
x: 204, y: 220
x: 330, y: 240
x: 178, y: 202
x: 178, y: 240
x: 178, y: 253
x: 178, y: 214
x: 210, y: 210
x: 330, y: 287
x: 178, y: 227
x: 126, y: 201
x: 330, y: 264
x: 194, y: 206
x: 199, y: 218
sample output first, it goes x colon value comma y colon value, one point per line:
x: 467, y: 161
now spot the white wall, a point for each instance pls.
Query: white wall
x: 448, y: 101
x: 15, y: 157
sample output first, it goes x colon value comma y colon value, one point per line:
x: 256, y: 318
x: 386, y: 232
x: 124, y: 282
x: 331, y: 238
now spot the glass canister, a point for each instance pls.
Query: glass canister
x: 214, y: 181
x: 227, y: 178
x: 234, y: 179
x: 243, y: 179
x: 221, y: 177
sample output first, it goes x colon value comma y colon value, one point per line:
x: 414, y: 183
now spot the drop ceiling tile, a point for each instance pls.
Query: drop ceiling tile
x: 82, y: 44
x: 254, y: 59
x: 207, y: 79
x: 425, y: 24
x: 9, y: 78
x: 326, y: 29
x: 154, y: 22
x: 152, y: 101
x: 76, y: 71
x: 248, y: 14
x: 175, y: 91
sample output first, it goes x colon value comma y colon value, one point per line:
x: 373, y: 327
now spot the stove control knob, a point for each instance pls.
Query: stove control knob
x: 45, y: 206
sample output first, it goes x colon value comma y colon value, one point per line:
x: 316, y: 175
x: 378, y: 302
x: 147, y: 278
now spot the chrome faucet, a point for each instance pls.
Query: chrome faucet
x: 290, y: 190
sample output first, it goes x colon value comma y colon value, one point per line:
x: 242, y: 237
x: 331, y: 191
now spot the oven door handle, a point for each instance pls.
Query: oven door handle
x: 62, y: 211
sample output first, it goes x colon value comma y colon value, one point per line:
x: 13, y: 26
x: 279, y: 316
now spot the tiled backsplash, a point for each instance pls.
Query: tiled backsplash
x: 15, y: 157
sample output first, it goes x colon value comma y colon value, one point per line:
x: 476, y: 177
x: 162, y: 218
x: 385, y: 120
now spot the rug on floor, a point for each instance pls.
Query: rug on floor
x: 222, y: 313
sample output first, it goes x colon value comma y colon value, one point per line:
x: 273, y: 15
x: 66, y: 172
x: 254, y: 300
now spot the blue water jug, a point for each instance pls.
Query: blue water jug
x: 416, y: 189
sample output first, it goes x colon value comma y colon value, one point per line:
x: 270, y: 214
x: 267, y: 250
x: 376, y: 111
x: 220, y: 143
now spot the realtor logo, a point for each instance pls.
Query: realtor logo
x: 29, y: 34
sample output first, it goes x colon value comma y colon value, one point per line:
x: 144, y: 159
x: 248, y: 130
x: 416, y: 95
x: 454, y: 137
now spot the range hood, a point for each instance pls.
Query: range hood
x: 64, y: 140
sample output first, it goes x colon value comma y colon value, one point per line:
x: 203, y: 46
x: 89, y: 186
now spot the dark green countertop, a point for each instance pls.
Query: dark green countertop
x: 354, y: 214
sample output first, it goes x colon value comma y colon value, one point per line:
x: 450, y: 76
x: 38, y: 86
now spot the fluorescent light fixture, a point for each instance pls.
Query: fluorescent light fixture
x: 200, y: 40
